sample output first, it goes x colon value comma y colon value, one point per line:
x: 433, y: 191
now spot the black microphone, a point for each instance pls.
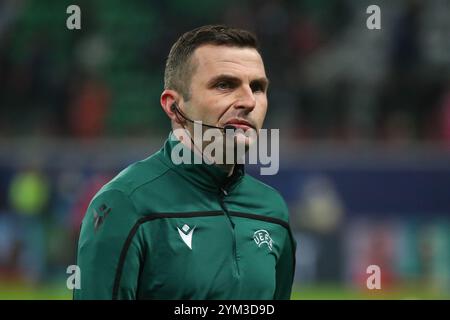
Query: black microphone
x: 229, y: 127
x: 174, y: 108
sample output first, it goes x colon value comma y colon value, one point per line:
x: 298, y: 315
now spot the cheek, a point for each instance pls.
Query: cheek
x: 207, y: 108
x: 261, y: 111
x: 216, y: 108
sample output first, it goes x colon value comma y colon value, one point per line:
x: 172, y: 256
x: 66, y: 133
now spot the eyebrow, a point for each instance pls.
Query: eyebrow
x: 226, y: 77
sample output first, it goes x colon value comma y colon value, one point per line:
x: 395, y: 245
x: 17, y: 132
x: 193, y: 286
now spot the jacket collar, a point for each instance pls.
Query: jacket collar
x: 206, y: 176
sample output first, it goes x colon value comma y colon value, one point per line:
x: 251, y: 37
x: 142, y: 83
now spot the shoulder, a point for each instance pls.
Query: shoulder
x: 110, y: 212
x: 117, y: 193
x: 266, y: 195
x: 136, y: 175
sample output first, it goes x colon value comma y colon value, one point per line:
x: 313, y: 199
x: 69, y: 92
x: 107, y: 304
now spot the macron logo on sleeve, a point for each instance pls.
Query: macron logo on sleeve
x: 186, y: 235
x: 100, y: 217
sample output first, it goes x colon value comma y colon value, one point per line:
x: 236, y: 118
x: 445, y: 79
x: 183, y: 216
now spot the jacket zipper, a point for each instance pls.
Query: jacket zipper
x: 224, y: 193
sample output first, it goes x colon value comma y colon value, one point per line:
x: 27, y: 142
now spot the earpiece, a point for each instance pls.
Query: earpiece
x: 174, y: 108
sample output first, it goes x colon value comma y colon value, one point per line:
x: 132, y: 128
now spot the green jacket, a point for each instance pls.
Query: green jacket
x: 165, y: 231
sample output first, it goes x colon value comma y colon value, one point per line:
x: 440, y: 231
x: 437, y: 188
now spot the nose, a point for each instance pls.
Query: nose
x: 245, y: 99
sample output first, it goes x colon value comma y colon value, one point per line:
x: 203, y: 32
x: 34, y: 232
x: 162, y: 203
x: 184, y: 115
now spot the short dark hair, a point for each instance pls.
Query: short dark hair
x: 179, y: 68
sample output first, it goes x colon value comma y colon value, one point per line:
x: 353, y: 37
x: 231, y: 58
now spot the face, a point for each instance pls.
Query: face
x: 228, y: 86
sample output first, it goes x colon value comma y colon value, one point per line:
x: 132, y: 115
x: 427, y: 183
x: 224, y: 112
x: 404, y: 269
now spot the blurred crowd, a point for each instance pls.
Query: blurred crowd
x: 331, y: 77
x: 40, y: 217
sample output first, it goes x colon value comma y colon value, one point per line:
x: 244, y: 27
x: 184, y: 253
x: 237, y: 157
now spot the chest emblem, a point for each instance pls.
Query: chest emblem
x: 186, y: 233
x: 261, y: 237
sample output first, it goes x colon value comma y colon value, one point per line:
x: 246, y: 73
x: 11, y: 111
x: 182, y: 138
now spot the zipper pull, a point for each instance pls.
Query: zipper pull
x: 224, y: 207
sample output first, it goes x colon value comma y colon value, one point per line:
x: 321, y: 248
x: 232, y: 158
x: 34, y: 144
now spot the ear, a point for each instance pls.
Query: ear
x: 168, y: 98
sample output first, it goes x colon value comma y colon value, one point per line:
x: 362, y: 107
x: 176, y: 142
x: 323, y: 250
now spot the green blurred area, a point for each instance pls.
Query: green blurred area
x: 336, y: 292
x: 316, y: 292
x: 19, y: 291
x: 315, y: 52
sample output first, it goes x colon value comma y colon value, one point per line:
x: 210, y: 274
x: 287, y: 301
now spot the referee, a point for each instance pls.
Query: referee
x: 161, y: 230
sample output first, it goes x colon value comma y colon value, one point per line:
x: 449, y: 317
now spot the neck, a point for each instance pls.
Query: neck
x: 198, y: 150
x: 227, y: 168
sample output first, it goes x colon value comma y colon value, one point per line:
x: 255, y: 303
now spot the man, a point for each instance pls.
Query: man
x: 161, y: 230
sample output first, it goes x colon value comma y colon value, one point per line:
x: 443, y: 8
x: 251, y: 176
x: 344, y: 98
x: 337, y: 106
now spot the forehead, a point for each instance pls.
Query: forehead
x: 211, y: 60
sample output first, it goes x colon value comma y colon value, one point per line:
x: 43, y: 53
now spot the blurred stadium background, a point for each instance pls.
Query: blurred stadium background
x: 364, y: 118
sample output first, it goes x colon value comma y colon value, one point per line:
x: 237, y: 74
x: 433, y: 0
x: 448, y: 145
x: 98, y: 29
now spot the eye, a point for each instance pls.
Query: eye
x: 223, y: 85
x: 257, y: 87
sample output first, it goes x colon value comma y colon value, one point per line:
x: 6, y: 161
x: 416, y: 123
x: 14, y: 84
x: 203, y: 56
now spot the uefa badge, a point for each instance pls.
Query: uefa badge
x: 261, y: 237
